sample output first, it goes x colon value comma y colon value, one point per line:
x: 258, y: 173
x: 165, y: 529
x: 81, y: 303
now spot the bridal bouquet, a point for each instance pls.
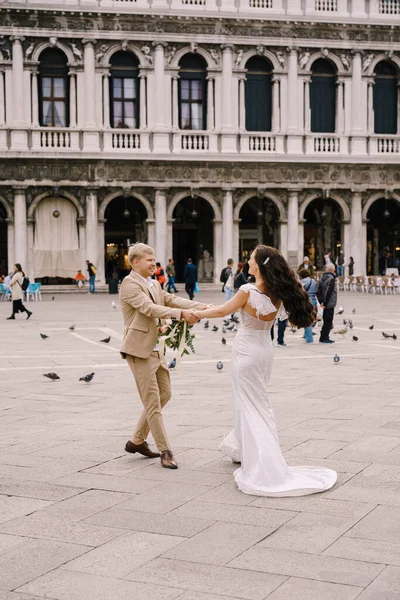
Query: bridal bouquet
x: 176, y: 335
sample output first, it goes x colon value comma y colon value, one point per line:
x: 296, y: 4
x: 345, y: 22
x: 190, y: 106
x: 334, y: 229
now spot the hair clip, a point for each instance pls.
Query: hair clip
x: 266, y: 260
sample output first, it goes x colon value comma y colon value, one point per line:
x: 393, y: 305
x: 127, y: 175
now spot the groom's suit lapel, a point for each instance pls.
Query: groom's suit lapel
x: 144, y: 287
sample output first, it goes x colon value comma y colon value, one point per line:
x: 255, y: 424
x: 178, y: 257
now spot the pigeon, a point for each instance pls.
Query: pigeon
x: 340, y: 311
x: 52, y: 376
x: 106, y: 340
x: 345, y: 322
x: 53, y: 298
x: 88, y: 378
x: 336, y: 358
x: 223, y: 329
x: 172, y: 364
x: 385, y: 335
x: 371, y: 327
x: 351, y: 324
x: 355, y: 338
x: 113, y: 305
x: 215, y: 328
x: 220, y: 366
x: 206, y: 324
x: 234, y: 318
x: 223, y: 341
x: 354, y: 311
x: 72, y: 328
x: 394, y: 336
x: 43, y: 336
x: 231, y: 327
x: 226, y: 322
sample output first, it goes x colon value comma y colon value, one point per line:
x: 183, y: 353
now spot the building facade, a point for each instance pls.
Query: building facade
x: 202, y: 127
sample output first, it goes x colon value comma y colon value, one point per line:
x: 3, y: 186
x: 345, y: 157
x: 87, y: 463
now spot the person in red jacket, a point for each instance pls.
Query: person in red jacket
x: 160, y: 275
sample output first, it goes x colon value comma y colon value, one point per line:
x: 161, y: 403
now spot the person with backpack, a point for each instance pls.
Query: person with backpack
x: 227, y: 279
x: 327, y: 297
x: 160, y: 275
x: 91, y: 269
x: 19, y: 284
x: 310, y: 286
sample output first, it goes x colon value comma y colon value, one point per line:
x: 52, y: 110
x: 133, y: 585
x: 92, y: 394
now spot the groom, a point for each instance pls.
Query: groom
x: 143, y: 304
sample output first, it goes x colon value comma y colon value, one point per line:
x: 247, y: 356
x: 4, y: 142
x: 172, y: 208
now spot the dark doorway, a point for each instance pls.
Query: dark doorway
x: 125, y: 225
x: 3, y: 241
x: 193, y: 236
x: 322, y: 230
x: 259, y: 224
x: 383, y: 236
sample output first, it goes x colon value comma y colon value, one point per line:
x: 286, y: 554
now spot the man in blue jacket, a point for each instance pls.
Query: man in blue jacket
x: 327, y: 297
x: 190, y: 276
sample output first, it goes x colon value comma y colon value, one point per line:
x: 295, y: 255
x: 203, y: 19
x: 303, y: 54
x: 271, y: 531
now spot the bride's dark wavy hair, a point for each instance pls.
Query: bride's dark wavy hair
x: 281, y: 282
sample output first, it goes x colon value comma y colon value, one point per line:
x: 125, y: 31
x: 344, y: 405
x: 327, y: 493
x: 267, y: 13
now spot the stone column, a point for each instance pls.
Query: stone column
x: 300, y: 247
x: 294, y: 141
x: 82, y: 242
x: 236, y: 249
x: 2, y: 100
x: 370, y: 109
x: 72, y: 99
x: 293, y: 226
x: 358, y: 142
x: 170, y: 238
x: 226, y: 87
x: 89, y: 73
x: 19, y: 134
x: 106, y: 100
x: 218, y: 249
x: 10, y: 245
x: 307, y: 109
x: 356, y: 227
x: 35, y: 100
x: 210, y: 103
x: 227, y: 225
x: 161, y: 226
x: 275, y: 104
x: 20, y: 228
x: 142, y: 99
x: 151, y: 233
x: 242, y: 104
x: 339, y: 106
x: 175, y: 103
x: 92, y: 227
x: 101, y: 273
x: 283, y: 235
x: 159, y: 75
x: 346, y: 242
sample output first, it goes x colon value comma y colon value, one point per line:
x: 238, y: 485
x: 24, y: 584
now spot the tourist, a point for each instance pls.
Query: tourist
x: 80, y: 279
x: 226, y: 271
x: 351, y: 266
x: 17, y: 292
x: 190, y: 276
x: 240, y: 277
x: 327, y: 297
x: 306, y: 265
x: 310, y: 286
x: 229, y: 280
x: 340, y: 264
x: 92, y: 276
x: 170, y: 270
x: 159, y: 274
x: 281, y: 322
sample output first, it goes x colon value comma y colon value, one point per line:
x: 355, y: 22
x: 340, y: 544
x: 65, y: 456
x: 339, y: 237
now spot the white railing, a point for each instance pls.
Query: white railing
x: 389, y: 7
x: 55, y: 139
x: 259, y: 143
x: 260, y: 3
x: 326, y: 5
x: 125, y: 140
x: 326, y: 144
x: 195, y: 141
x: 194, y: 2
x: 388, y: 145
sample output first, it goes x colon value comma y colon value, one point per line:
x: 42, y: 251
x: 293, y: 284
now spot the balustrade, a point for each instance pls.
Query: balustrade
x: 55, y: 139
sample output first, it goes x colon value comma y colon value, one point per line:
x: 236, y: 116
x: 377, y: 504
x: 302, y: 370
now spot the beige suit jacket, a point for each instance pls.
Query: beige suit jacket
x: 142, y: 309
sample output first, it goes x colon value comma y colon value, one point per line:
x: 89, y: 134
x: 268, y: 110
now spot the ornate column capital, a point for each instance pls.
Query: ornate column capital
x: 227, y: 47
x: 17, y: 38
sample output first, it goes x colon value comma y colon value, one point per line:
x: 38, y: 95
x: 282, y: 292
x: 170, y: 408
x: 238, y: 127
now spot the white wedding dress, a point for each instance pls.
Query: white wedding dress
x: 254, y: 440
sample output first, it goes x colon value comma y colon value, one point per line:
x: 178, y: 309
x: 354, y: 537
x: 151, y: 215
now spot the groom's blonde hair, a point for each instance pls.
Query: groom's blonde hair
x: 138, y: 250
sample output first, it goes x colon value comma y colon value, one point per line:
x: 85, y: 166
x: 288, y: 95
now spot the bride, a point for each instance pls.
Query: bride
x: 254, y: 440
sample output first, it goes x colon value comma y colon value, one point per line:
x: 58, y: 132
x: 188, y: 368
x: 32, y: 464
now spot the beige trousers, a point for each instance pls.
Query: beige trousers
x: 154, y: 387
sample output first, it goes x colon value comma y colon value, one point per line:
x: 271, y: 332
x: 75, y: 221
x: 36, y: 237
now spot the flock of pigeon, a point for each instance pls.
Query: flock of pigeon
x: 86, y: 378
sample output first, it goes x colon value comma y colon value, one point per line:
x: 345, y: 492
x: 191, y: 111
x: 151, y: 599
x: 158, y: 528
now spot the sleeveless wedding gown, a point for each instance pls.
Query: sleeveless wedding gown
x: 254, y: 440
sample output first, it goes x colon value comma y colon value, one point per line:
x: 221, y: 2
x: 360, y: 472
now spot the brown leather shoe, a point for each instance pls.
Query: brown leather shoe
x: 142, y: 448
x: 168, y: 461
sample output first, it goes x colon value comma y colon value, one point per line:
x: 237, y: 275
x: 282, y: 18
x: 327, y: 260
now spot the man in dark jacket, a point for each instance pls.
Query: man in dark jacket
x: 190, y: 276
x: 327, y: 297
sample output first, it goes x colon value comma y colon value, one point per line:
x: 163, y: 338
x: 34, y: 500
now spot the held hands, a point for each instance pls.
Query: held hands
x: 190, y: 316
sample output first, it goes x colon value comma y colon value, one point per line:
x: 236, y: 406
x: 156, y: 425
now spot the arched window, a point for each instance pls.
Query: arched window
x: 53, y: 89
x: 124, y: 91
x: 192, y: 92
x: 323, y: 97
x: 385, y: 98
x: 258, y: 94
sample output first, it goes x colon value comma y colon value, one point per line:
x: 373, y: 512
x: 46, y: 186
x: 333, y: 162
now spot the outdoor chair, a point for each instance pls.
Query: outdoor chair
x: 5, y: 292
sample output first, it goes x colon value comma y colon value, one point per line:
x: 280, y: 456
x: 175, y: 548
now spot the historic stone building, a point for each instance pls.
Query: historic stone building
x: 201, y: 127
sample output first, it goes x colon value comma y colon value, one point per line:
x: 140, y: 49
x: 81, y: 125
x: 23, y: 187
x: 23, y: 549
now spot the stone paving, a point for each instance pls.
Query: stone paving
x: 82, y: 520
